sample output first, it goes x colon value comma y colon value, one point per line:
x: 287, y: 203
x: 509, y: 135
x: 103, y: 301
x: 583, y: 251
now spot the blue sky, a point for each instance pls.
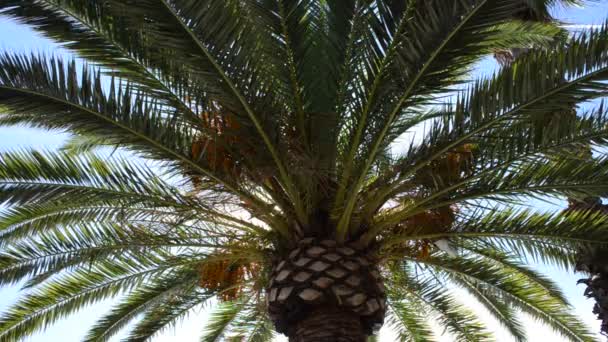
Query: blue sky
x: 17, y: 38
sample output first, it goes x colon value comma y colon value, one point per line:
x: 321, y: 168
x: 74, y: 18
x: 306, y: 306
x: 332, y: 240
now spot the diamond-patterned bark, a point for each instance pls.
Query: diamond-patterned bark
x: 322, y: 273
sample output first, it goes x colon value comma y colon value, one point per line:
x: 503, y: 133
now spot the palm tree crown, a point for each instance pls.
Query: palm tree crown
x: 260, y: 165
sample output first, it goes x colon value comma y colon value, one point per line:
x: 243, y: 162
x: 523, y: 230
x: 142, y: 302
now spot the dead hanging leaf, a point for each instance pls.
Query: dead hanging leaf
x: 225, y: 276
x: 424, y: 250
x: 215, y: 148
x: 449, y: 168
x: 432, y: 221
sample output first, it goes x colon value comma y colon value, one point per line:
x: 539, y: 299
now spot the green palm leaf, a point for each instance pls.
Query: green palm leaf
x: 222, y: 319
x: 427, y: 293
x: 160, y: 318
x: 143, y: 300
x: 410, y: 325
x: 65, y: 295
x: 505, y: 314
x: 516, y: 291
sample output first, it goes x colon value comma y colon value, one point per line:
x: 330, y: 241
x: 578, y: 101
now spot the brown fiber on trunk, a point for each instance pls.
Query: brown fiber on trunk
x: 326, y: 324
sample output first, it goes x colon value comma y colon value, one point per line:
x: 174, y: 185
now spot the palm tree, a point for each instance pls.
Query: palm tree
x: 259, y: 170
x: 593, y: 261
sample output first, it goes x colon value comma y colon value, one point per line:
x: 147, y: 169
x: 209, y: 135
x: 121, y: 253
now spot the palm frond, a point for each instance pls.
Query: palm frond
x: 254, y: 326
x: 410, y: 324
x: 492, y: 103
x: 565, y: 230
x: 515, y: 264
x: 65, y: 295
x: 426, y: 292
x: 535, y: 251
x: 20, y: 170
x: 221, y: 320
x: 516, y: 291
x: 498, y: 149
x: 39, y: 186
x: 38, y: 257
x: 77, y: 145
x: 48, y: 94
x: 182, y: 31
x: 504, y: 314
x: 81, y: 29
x: 437, y: 50
x: 144, y: 299
x: 532, y: 178
x: 164, y: 316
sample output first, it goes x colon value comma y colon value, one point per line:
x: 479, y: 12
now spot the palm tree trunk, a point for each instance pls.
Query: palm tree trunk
x: 329, y: 324
x: 593, y: 261
x: 324, y: 291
